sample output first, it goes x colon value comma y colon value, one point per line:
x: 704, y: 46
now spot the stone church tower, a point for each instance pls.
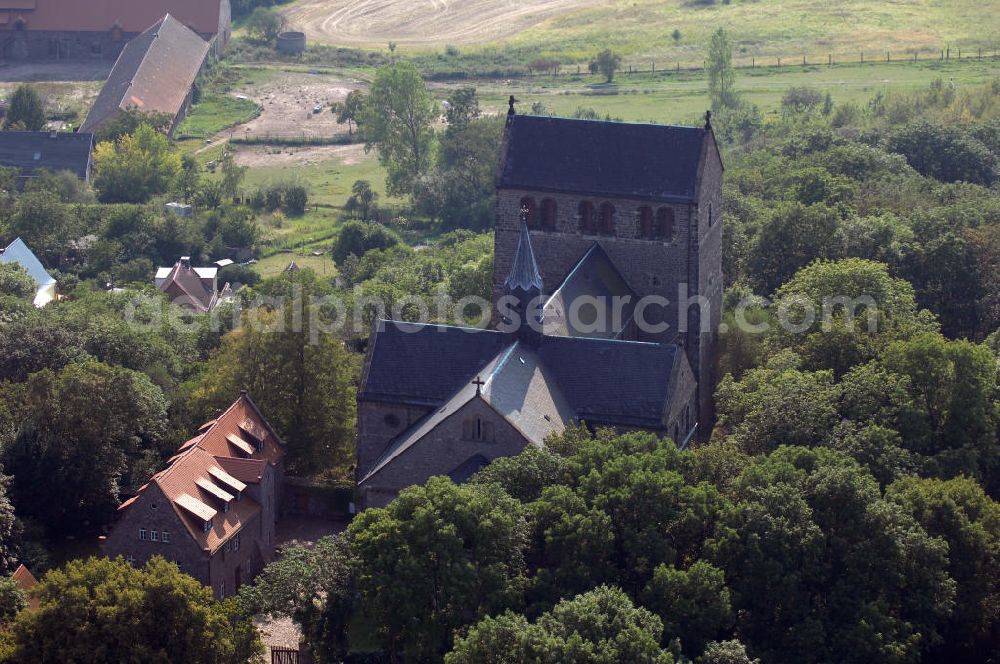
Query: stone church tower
x: 648, y: 196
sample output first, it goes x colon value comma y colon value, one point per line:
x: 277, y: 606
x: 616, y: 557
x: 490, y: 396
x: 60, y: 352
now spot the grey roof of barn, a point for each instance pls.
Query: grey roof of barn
x: 598, y: 158
x: 30, y: 151
x: 154, y: 73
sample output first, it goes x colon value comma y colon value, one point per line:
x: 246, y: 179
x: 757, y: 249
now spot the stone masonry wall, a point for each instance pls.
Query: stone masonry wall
x: 154, y: 512
x: 441, y: 451
x: 378, y: 424
x: 651, y: 267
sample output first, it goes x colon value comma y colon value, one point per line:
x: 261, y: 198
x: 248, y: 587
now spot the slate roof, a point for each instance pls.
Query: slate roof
x: 154, y: 73
x: 517, y: 385
x: 524, y: 274
x: 424, y: 365
x: 30, y: 151
x: 596, y: 158
x: 595, y: 276
x: 604, y: 381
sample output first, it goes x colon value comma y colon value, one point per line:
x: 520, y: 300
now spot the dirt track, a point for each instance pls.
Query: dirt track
x: 421, y: 22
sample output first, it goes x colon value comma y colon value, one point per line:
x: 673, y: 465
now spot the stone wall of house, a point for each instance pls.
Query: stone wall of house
x: 650, y: 266
x: 265, y: 493
x: 237, y: 561
x: 442, y: 450
x: 378, y: 424
x: 153, y: 512
x: 38, y: 45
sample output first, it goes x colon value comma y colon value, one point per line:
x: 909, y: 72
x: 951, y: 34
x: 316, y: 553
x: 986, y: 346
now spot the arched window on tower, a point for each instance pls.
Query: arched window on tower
x: 665, y: 224
x: 607, y: 219
x: 549, y: 210
x: 646, y: 222
x: 586, y: 212
x: 528, y: 210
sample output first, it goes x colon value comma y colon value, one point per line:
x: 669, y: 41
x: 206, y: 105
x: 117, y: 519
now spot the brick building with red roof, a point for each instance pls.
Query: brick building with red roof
x: 99, y: 29
x: 213, y: 508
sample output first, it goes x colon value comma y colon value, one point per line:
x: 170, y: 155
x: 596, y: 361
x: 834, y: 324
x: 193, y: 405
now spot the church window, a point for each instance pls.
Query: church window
x: 391, y: 420
x: 549, y: 214
x: 646, y: 222
x: 477, y: 429
x: 587, y: 217
x: 607, y: 219
x: 665, y: 223
x: 528, y: 210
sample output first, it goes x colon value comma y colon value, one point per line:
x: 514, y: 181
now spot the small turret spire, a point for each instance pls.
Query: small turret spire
x: 524, y: 274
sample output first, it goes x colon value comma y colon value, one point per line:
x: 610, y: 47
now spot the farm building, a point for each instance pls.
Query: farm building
x: 18, y: 252
x: 99, y: 29
x: 33, y: 151
x: 155, y: 74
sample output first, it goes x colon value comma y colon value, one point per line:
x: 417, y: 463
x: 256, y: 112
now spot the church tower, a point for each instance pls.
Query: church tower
x: 648, y: 196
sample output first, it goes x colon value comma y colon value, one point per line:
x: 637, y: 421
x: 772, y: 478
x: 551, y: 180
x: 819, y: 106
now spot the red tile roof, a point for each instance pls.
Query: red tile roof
x: 25, y: 581
x: 131, y: 16
x: 204, y: 478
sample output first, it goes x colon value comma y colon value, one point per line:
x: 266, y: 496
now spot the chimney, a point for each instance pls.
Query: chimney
x: 186, y: 262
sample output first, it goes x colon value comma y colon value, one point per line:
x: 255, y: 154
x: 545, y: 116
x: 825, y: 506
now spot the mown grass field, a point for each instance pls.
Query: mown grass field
x: 216, y: 113
x: 643, y: 29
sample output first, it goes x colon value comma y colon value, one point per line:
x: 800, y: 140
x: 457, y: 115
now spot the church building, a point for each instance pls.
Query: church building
x: 607, y: 295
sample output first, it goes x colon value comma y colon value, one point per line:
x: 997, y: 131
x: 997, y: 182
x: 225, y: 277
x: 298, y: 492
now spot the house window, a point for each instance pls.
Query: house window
x: 208, y: 526
x: 586, y: 212
x: 607, y: 219
x: 142, y: 534
x: 528, y: 210
x: 549, y: 210
x: 166, y: 536
x: 236, y: 542
x: 665, y: 223
x: 154, y: 536
x: 646, y: 222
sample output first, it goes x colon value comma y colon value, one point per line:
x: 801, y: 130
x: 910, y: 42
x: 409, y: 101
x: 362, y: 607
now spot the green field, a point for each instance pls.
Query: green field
x: 216, y: 113
x: 764, y: 28
x: 683, y: 97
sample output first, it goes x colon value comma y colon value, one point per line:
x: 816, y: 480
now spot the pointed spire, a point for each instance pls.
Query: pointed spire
x: 524, y: 275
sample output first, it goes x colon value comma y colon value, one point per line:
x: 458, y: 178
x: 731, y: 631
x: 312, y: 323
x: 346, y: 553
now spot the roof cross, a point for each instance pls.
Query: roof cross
x: 478, y: 382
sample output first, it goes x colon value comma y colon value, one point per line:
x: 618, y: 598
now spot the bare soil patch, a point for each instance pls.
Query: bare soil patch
x: 288, y: 101
x: 365, y: 22
x: 264, y: 156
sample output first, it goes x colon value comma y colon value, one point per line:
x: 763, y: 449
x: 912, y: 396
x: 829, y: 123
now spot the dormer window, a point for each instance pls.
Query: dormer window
x: 208, y: 526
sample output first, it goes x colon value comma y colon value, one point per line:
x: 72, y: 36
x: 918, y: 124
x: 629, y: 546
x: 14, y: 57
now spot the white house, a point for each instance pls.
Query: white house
x: 18, y: 252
